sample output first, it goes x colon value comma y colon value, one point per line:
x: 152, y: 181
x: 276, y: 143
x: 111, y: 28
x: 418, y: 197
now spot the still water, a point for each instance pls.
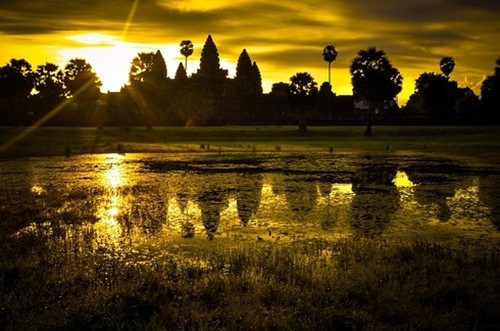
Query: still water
x: 148, y: 202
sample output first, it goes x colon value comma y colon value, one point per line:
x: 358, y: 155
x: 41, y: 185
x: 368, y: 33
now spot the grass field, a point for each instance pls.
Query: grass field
x: 350, y: 284
x: 480, y: 142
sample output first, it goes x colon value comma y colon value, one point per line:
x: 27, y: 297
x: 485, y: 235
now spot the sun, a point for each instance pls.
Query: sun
x: 109, y: 56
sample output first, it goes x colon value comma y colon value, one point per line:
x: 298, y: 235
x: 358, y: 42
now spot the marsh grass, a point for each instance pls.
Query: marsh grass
x: 348, y: 284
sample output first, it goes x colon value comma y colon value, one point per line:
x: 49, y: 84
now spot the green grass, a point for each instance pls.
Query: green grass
x: 482, y: 142
x: 349, y: 284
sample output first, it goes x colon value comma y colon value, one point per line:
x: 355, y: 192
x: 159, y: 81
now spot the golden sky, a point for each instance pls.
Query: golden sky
x: 283, y: 37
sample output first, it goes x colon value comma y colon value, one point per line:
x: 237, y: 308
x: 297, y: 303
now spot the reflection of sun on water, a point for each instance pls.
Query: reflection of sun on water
x: 38, y: 190
x: 113, y: 177
x: 108, y: 229
x: 113, y: 211
x: 404, y: 185
x: 402, y: 180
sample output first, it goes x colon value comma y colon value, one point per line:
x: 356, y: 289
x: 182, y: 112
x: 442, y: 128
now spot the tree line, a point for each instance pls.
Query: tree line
x: 208, y: 96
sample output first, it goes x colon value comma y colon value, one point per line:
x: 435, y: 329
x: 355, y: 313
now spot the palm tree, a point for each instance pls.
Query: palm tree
x: 374, y: 80
x: 186, y: 50
x: 447, y: 64
x: 302, y: 91
x: 329, y: 55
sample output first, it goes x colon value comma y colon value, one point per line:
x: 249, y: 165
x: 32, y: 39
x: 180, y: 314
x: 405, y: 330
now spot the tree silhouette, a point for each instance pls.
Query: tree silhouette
x: 147, y: 76
x: 467, y: 102
x: 329, y: 55
x: 490, y: 92
x: 16, y: 79
x: 187, y: 49
x: 16, y: 84
x: 302, y: 92
x: 374, y: 80
x: 82, y: 82
x: 49, y: 83
x: 447, y: 64
x: 148, y: 69
x: 432, y: 88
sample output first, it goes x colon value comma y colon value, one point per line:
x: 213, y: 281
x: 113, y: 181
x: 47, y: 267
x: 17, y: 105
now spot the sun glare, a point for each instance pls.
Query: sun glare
x: 92, y: 38
x: 110, y: 57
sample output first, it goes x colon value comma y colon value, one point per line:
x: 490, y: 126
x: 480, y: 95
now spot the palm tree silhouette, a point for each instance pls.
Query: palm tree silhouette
x: 374, y: 80
x: 447, y: 64
x: 186, y: 50
x: 329, y: 55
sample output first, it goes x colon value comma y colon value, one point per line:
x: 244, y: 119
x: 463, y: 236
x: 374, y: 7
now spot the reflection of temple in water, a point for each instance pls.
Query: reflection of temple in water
x: 248, y: 195
x: 113, y: 207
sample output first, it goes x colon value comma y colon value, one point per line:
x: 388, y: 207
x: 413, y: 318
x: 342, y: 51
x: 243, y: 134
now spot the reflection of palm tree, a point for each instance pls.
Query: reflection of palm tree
x: 325, y: 188
x: 248, y: 195
x: 431, y: 189
x: 376, y: 199
x: 301, y: 196
x: 186, y: 50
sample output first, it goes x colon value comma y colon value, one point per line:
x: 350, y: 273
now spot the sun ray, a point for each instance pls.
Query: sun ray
x: 129, y: 18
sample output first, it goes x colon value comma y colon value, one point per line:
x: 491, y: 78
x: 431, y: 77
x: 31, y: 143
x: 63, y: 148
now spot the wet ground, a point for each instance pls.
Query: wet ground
x: 144, y: 204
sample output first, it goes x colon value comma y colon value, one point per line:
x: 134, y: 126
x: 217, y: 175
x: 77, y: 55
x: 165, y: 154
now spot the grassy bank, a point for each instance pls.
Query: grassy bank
x: 350, y: 284
x: 481, y: 142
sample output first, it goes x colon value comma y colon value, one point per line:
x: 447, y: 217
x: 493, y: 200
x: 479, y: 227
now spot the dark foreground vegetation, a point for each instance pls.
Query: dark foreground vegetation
x: 349, y: 284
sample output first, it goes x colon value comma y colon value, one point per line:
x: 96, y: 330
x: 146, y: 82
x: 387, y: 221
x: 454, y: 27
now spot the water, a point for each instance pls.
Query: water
x: 144, y: 205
